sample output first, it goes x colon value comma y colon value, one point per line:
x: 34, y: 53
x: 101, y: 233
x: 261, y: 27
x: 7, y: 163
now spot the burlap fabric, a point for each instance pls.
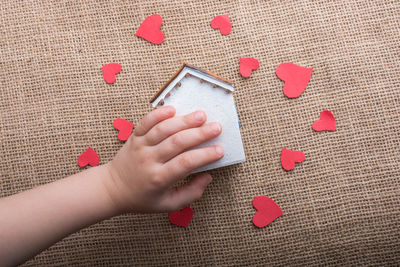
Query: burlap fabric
x: 341, y: 205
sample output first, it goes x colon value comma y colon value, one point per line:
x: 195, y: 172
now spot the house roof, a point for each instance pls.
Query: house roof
x: 184, y: 66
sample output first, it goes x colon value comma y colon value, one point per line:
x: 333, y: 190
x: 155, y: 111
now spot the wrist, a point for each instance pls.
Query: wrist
x: 112, y: 189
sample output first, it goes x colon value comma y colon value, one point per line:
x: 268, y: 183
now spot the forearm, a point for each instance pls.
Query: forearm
x: 35, y: 219
x: 140, y: 178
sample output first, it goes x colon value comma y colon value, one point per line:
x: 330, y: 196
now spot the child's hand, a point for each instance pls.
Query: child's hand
x: 154, y: 159
x: 140, y: 178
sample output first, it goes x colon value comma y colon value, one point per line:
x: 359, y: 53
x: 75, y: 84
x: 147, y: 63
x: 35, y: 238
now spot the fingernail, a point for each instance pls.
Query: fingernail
x: 219, y: 150
x: 215, y: 127
x: 169, y: 110
x: 206, y: 179
x: 199, y: 116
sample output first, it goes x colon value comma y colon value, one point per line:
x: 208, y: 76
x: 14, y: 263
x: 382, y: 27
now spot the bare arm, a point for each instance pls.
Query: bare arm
x: 140, y: 178
x: 33, y: 220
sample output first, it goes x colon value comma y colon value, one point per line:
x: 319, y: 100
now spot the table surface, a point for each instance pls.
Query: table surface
x: 341, y: 205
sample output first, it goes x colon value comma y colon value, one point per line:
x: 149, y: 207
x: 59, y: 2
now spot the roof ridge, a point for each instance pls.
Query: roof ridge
x: 184, y: 65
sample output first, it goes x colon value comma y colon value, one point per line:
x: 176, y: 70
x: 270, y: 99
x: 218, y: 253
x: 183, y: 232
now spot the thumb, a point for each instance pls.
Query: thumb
x: 188, y: 193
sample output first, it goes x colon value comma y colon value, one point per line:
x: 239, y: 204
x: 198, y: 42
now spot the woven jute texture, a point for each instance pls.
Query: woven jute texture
x: 341, y: 205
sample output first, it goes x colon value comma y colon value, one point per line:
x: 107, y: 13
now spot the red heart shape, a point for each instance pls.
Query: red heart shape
x: 295, y: 77
x: 182, y: 217
x: 88, y: 157
x: 247, y: 65
x: 290, y: 157
x: 109, y: 71
x: 326, y: 123
x: 150, y: 29
x: 222, y: 23
x: 125, y: 128
x: 267, y: 211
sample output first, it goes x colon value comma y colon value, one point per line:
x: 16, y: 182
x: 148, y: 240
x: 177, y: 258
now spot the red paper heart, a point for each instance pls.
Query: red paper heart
x: 326, y: 123
x: 267, y: 211
x: 222, y: 23
x: 295, y: 77
x: 150, y: 29
x: 109, y: 71
x: 182, y: 217
x: 88, y: 157
x: 125, y: 128
x: 290, y: 157
x: 247, y: 65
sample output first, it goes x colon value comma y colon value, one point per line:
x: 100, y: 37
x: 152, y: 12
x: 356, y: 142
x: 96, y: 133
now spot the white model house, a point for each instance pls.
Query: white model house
x: 192, y: 89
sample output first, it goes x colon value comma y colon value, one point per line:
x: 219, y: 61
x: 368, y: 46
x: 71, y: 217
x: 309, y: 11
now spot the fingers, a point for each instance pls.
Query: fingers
x: 188, y: 193
x: 185, y: 163
x: 173, y: 125
x: 183, y: 140
x: 152, y: 118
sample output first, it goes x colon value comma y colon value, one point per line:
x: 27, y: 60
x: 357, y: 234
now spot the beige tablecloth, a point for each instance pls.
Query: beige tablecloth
x: 341, y: 205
